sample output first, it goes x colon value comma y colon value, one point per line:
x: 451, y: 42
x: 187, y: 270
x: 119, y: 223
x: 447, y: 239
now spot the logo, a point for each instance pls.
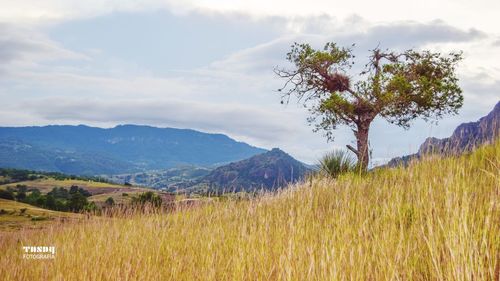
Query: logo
x: 39, y: 252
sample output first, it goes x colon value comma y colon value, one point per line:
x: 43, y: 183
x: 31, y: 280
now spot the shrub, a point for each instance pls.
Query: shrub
x: 110, y: 201
x: 147, y: 198
x: 6, y: 194
x: 336, y: 163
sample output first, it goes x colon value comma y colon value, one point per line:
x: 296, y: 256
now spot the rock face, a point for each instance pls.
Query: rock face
x: 466, y: 137
x: 269, y: 171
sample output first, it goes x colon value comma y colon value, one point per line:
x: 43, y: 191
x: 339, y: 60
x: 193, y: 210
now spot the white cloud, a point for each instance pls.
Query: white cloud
x: 481, y: 14
x: 27, y: 46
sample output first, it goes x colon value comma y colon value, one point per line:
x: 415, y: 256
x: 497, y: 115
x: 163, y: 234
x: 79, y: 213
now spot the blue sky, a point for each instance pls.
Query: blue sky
x: 208, y: 65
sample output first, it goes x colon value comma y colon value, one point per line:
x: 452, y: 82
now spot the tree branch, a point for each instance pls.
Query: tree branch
x: 353, y: 150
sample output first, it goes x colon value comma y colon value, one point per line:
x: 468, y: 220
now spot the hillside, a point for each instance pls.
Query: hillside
x: 267, y: 171
x: 435, y: 220
x: 16, y: 215
x: 123, y: 149
x: 465, y: 137
x: 170, y: 179
x: 97, y: 190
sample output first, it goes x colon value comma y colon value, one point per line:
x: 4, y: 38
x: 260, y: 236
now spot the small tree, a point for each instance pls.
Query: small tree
x: 6, y: 194
x: 110, y: 201
x: 146, y: 198
x: 397, y: 86
x: 77, y: 202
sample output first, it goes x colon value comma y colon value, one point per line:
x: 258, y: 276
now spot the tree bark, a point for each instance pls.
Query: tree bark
x: 362, y: 143
x: 362, y: 150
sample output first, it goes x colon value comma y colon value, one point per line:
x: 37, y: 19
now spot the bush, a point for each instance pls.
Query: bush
x: 4, y: 194
x: 336, y: 163
x: 110, y: 201
x: 148, y: 198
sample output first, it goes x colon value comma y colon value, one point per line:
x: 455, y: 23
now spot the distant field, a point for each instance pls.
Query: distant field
x: 46, y: 184
x: 14, y: 217
x: 100, y: 191
x: 435, y: 220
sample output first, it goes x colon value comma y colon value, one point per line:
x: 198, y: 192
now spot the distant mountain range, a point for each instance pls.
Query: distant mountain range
x: 466, y: 137
x: 267, y: 171
x: 87, y: 150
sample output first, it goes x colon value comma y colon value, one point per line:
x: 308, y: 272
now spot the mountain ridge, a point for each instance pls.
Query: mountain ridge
x: 465, y: 137
x: 139, y: 147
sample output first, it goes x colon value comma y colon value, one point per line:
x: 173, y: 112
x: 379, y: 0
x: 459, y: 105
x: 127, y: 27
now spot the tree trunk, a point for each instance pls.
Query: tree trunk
x: 362, y: 151
x: 362, y: 142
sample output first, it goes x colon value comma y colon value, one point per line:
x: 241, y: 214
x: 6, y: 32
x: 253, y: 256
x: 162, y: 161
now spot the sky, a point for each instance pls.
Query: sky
x: 208, y: 64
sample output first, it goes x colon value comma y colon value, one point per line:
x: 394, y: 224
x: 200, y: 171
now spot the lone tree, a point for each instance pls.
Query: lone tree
x: 397, y: 86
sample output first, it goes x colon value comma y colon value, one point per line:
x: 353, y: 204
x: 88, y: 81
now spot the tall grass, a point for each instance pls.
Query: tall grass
x: 436, y: 220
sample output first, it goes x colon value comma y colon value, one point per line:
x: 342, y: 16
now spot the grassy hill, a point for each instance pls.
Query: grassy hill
x: 100, y: 190
x: 16, y: 215
x: 435, y: 220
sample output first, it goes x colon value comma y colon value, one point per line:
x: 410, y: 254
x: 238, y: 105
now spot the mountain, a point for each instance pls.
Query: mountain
x: 122, y: 149
x: 269, y: 171
x: 466, y: 137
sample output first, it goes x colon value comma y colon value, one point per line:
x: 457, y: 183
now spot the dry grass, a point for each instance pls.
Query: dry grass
x: 437, y: 220
x: 45, y: 185
x: 16, y: 215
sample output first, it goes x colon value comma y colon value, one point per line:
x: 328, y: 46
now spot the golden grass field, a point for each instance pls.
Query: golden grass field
x: 436, y: 220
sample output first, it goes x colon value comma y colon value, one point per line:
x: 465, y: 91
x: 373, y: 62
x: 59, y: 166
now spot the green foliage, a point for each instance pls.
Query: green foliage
x: 6, y: 194
x: 20, y: 196
x: 110, y: 201
x: 77, y: 202
x: 58, y: 199
x: 75, y: 189
x: 336, y: 163
x: 147, y: 198
x: 17, y: 175
x: 90, y: 207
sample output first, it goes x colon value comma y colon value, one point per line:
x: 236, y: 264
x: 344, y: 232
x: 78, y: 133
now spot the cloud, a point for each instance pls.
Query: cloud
x: 417, y: 34
x: 238, y: 120
x: 399, y: 35
x: 25, y: 44
x: 22, y: 48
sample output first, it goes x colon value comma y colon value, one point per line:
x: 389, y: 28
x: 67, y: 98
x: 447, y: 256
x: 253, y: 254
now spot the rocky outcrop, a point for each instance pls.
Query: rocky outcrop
x: 466, y: 137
